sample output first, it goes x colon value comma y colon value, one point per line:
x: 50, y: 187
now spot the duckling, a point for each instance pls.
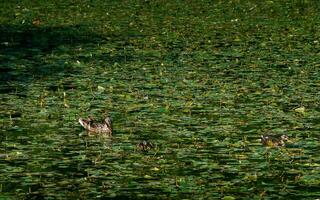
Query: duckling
x: 94, y: 127
x: 144, y: 146
x: 273, y: 141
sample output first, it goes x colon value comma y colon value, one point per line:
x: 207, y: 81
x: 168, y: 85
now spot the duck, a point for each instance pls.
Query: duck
x: 144, y: 146
x: 104, y: 128
x: 273, y: 141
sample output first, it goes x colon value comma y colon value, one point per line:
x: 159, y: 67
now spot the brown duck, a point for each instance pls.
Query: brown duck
x: 94, y: 127
x: 273, y: 141
x: 144, y: 146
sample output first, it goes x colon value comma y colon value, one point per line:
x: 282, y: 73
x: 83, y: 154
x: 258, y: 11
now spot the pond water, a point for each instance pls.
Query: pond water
x: 200, y: 80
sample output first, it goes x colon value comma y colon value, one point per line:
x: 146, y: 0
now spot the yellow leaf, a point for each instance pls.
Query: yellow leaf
x: 155, y: 169
x: 301, y: 109
x: 100, y: 88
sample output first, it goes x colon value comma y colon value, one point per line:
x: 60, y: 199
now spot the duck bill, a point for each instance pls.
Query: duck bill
x: 81, y: 121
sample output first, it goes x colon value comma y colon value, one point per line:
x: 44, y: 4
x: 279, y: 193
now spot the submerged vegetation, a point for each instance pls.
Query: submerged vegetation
x: 198, y: 82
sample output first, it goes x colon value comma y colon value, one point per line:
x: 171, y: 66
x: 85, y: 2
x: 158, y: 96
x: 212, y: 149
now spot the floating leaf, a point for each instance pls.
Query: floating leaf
x: 155, y: 169
x: 100, y: 88
x: 301, y: 109
x: 228, y: 198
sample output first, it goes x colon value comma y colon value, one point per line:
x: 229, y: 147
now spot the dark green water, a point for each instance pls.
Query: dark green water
x: 201, y: 80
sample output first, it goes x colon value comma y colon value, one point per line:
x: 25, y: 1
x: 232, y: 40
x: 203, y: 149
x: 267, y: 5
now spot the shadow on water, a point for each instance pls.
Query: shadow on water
x: 25, y: 51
